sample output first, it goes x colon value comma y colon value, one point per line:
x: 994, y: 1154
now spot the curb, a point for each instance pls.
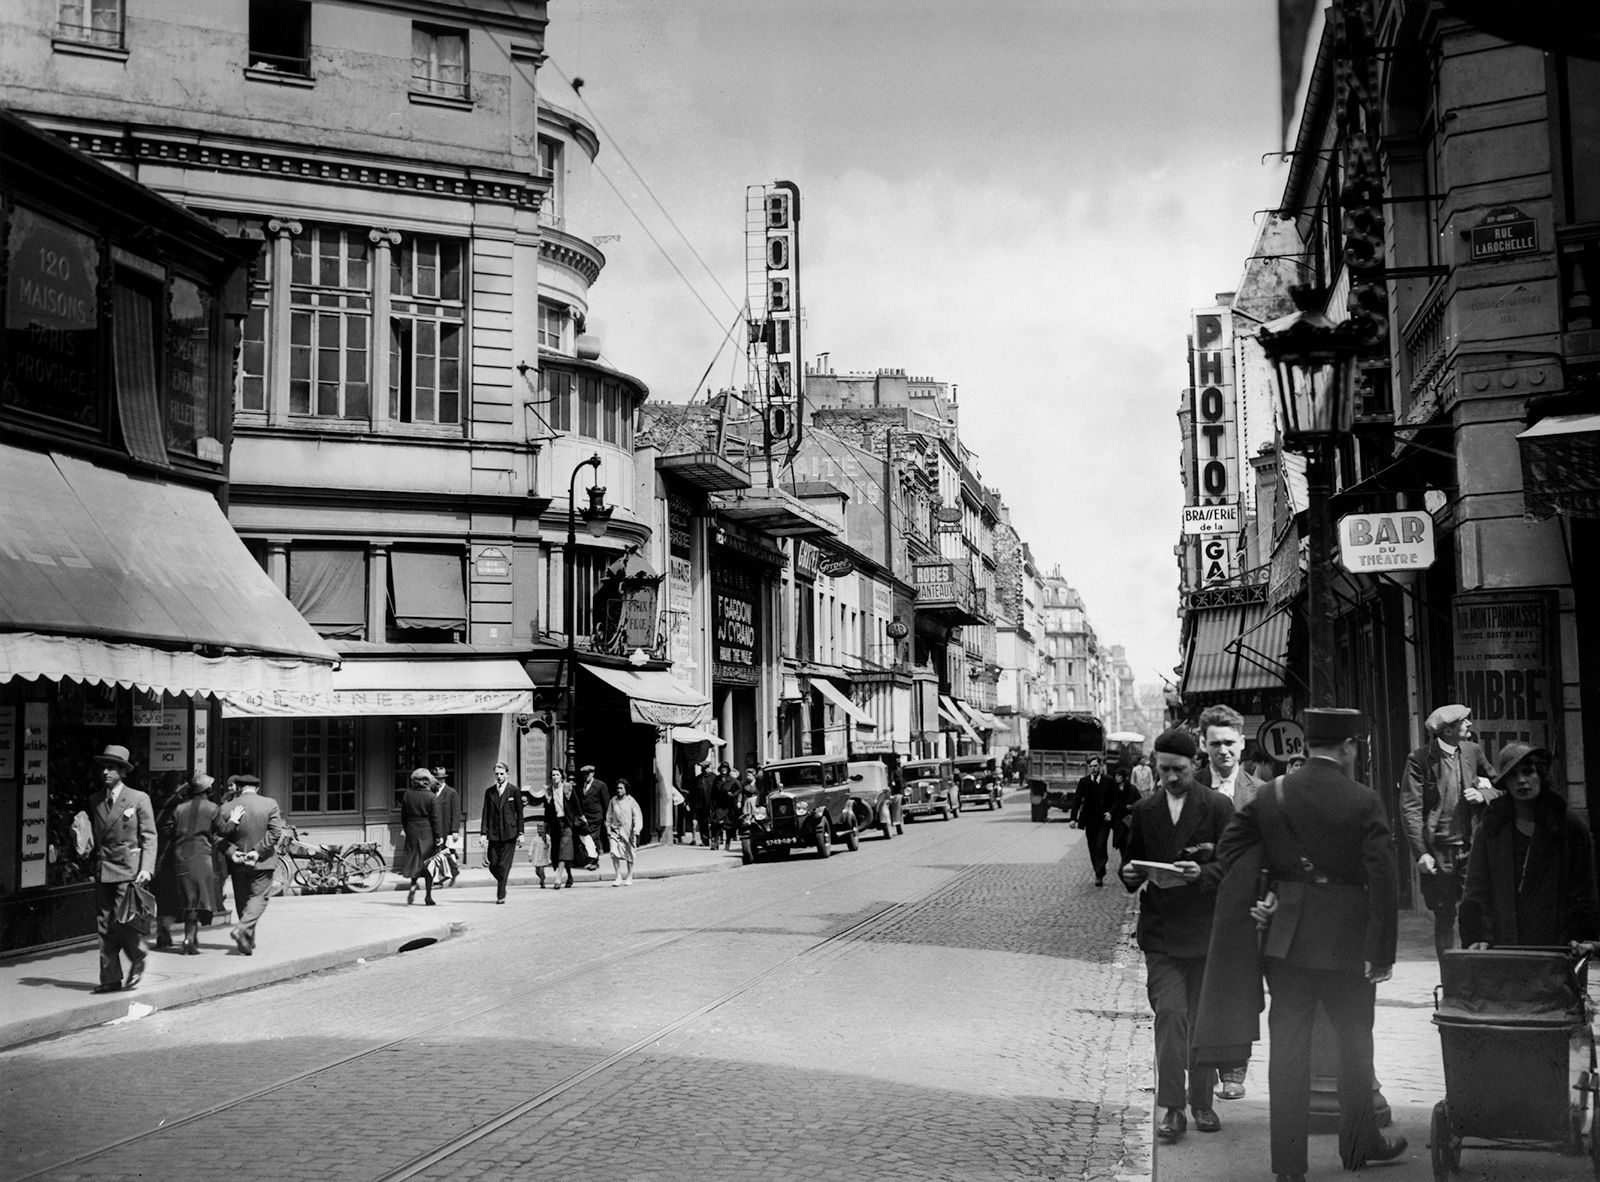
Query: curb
x: 170, y: 995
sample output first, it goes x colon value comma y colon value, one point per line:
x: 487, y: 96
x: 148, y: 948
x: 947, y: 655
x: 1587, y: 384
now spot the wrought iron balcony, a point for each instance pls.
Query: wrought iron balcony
x: 946, y: 592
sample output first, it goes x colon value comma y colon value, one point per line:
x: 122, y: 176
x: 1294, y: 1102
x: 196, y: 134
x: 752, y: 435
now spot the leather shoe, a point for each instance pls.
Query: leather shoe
x: 242, y: 942
x: 1205, y: 1120
x: 1388, y: 1149
x: 135, y: 975
x: 108, y: 987
x: 1172, y: 1126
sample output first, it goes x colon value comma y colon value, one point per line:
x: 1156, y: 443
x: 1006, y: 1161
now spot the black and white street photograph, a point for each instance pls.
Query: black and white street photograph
x: 818, y: 590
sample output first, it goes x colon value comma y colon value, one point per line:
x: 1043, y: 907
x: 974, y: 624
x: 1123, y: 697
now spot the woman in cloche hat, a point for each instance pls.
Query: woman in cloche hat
x: 1530, y: 879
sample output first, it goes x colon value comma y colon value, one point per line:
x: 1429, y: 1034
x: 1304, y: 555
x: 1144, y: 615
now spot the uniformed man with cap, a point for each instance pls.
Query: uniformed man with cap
x: 1442, y: 793
x: 1330, y: 934
x: 1178, y: 824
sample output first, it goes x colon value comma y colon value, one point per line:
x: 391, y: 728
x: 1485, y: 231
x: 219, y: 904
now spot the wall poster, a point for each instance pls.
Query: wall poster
x: 1507, y: 667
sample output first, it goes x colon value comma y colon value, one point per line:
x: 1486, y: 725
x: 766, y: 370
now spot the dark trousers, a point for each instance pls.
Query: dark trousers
x: 1095, y: 837
x: 1173, y: 983
x: 250, y: 887
x: 502, y: 856
x: 1348, y: 999
x: 1441, y: 891
x: 115, y: 939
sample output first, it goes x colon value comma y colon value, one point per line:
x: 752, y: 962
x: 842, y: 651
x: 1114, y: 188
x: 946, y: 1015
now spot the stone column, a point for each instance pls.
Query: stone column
x: 283, y: 230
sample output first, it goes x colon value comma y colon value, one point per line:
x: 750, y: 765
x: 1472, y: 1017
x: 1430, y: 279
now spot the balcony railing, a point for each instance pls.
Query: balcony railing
x: 945, y: 589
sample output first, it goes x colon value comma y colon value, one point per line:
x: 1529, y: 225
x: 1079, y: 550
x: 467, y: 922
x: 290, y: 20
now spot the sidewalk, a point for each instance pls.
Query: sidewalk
x: 48, y: 993
x: 1410, y: 1071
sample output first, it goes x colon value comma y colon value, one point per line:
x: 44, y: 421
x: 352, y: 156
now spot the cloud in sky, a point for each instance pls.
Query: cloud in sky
x: 1024, y: 198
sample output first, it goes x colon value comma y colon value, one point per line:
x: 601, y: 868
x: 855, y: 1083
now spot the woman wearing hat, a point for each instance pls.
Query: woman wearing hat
x: 419, y: 818
x: 1530, y: 879
x: 189, y: 883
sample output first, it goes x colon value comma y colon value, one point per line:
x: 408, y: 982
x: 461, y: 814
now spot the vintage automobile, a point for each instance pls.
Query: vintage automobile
x: 978, y: 780
x: 892, y: 762
x: 807, y: 801
x: 876, y: 802
x: 930, y: 789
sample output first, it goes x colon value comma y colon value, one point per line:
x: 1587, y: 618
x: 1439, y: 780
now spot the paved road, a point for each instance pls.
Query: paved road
x: 959, y: 1002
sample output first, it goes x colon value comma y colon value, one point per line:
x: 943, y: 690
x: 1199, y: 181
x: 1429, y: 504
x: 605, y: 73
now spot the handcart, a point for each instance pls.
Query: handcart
x: 1516, y: 1031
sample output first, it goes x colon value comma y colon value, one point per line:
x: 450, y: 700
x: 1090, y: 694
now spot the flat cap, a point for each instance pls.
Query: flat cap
x: 588, y: 767
x: 1445, y: 715
x: 246, y: 780
x: 1333, y: 724
x: 1178, y: 741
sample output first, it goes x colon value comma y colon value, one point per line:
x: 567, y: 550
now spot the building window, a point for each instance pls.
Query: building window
x: 551, y: 209
x: 191, y: 363
x: 93, y: 22
x: 322, y: 765
x: 425, y: 332
x: 330, y: 325
x: 135, y: 319
x: 280, y: 36
x: 427, y: 595
x: 439, y: 61
x: 554, y: 321
x: 589, y: 406
x: 610, y: 420
x: 555, y: 386
x: 241, y: 747
x: 428, y: 742
x: 328, y: 586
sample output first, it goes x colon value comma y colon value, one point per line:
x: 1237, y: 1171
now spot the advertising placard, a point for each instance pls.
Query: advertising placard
x: 8, y: 742
x: 1211, y: 519
x: 169, y: 745
x: 35, y: 794
x: 1507, y: 666
x: 733, y: 626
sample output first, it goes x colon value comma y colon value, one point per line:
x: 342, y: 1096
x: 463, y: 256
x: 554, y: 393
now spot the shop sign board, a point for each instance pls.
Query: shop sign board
x: 678, y: 517
x: 490, y: 564
x: 680, y: 610
x: 1211, y: 519
x: 1507, y: 666
x: 1504, y: 231
x: 35, y: 867
x: 147, y: 708
x: 733, y: 626
x: 1219, y: 559
x: 1282, y: 739
x: 1215, y: 416
x: 202, y: 740
x: 1371, y: 543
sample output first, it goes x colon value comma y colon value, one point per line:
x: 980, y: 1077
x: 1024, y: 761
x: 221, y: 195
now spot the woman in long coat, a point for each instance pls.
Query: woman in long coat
x: 191, y: 865
x: 563, y: 822
x: 419, y: 818
x: 1530, y: 879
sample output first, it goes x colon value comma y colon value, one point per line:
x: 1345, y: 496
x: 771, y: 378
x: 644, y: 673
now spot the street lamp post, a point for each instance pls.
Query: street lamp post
x: 596, y: 517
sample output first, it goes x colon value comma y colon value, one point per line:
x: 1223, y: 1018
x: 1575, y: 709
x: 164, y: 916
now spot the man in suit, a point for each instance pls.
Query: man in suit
x: 1443, y: 792
x: 450, y: 821
x: 124, y: 831
x: 1178, y: 824
x: 502, y: 828
x: 595, y: 794
x: 1222, y: 734
x: 1330, y: 934
x: 248, y: 831
x: 1097, y: 809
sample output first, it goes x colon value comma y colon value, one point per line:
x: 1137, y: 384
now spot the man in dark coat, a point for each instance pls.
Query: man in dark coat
x: 124, y: 827
x: 1331, y: 931
x: 247, y: 833
x: 1443, y: 792
x: 1097, y: 810
x: 450, y: 824
x: 1178, y: 825
x: 502, y: 828
x: 596, y: 795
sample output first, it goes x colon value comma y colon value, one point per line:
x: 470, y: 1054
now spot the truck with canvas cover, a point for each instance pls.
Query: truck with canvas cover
x: 1060, y: 747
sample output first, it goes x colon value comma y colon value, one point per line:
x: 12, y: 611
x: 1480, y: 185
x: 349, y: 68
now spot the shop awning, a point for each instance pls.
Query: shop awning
x: 775, y: 512
x: 706, y: 470
x: 1238, y: 647
x: 690, y: 734
x: 1561, y: 466
x: 981, y: 719
x: 115, y: 579
x: 832, y: 692
x: 952, y: 714
x: 496, y: 685
x: 656, y: 697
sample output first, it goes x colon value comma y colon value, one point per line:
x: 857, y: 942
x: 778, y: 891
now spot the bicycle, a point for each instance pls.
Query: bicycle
x: 328, y: 869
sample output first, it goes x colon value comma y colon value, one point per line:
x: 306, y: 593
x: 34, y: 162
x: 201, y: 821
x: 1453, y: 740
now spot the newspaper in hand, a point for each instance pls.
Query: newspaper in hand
x: 1160, y: 874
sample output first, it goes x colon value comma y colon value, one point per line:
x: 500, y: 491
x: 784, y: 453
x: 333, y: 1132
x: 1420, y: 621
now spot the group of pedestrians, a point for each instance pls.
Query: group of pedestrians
x: 711, y: 803
x: 1287, y: 888
x: 570, y: 825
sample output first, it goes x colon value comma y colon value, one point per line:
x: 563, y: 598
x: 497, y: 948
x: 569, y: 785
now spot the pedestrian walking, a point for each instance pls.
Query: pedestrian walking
x: 1143, y: 778
x: 1530, y: 879
x: 724, y: 806
x: 124, y: 854
x: 596, y: 797
x: 189, y: 852
x: 502, y: 828
x: 1179, y: 826
x: 1127, y: 796
x: 1443, y: 792
x: 624, y: 824
x: 247, y: 833
x: 419, y: 819
x: 536, y: 805
x: 566, y: 823
x: 1330, y: 932
x: 451, y: 816
x: 1097, y: 809
x: 1222, y: 736
x: 697, y: 795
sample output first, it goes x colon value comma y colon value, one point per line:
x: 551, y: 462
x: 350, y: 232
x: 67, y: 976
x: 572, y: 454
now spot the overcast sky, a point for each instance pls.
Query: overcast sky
x: 1021, y: 197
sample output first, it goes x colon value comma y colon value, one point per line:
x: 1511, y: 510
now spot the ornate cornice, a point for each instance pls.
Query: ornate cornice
x: 302, y: 164
x: 565, y: 250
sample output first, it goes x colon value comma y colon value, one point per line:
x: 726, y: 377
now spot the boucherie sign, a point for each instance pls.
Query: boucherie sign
x: 1374, y: 543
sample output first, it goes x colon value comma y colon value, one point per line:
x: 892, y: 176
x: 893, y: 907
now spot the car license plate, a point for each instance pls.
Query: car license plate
x: 780, y: 841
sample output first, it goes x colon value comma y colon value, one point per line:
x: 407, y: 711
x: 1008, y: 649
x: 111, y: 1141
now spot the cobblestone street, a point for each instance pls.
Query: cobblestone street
x: 960, y: 1002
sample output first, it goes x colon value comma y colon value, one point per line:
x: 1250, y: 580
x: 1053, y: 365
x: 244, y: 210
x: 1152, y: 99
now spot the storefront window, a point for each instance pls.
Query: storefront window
x: 428, y: 742
x: 322, y: 765
x: 52, y: 328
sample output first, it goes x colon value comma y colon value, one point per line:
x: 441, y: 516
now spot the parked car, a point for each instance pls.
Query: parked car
x: 805, y: 801
x: 892, y: 762
x: 978, y: 780
x: 875, y: 803
x: 930, y: 789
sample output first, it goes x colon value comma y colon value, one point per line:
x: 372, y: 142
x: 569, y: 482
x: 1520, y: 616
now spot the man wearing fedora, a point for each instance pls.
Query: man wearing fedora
x: 1446, y: 784
x: 124, y: 827
x: 1330, y: 934
x: 248, y: 830
x: 595, y: 794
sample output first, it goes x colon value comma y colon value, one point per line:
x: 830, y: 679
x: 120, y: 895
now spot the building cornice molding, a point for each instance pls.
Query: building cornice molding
x: 572, y: 253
